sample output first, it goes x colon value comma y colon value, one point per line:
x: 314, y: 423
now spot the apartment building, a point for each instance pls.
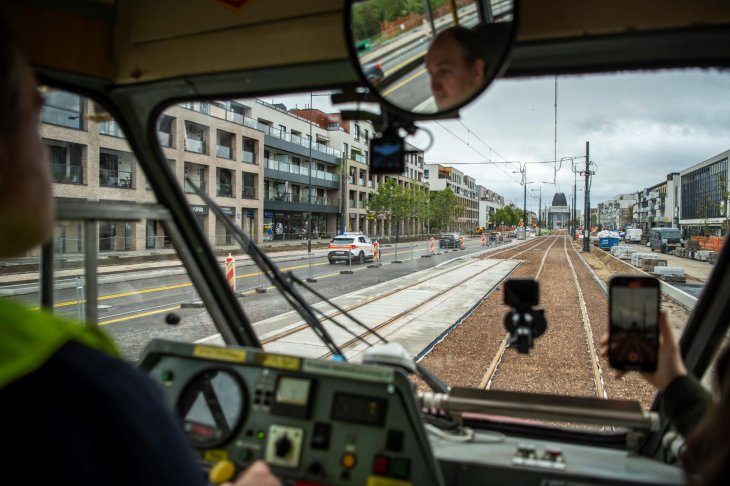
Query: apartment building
x: 617, y: 212
x: 489, y: 202
x: 702, y: 196
x: 440, y: 177
x: 255, y: 159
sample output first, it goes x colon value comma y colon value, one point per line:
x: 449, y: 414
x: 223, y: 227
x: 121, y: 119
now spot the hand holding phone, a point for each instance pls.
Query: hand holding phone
x: 633, y: 342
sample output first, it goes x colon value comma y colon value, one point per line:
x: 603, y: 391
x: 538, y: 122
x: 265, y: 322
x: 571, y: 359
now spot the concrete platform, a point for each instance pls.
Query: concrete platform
x: 415, y: 328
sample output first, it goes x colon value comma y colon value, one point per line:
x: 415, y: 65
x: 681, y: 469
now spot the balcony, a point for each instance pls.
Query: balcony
x: 299, y: 202
x: 361, y: 204
x: 279, y: 139
x: 303, y: 172
x: 189, y: 188
x: 362, y: 181
x: 352, y: 203
x: 371, y: 184
x: 359, y: 158
x: 115, y: 178
x: 249, y: 157
x: 194, y: 145
x: 249, y: 193
x: 224, y: 189
x: 67, y: 174
x: 223, y: 152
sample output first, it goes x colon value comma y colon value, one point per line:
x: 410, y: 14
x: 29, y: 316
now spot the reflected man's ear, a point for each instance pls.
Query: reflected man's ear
x: 478, y: 68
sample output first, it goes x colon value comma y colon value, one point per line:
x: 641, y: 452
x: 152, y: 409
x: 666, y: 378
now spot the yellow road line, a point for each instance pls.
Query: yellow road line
x: 177, y: 286
x: 398, y: 66
x: 405, y: 81
x: 135, y: 316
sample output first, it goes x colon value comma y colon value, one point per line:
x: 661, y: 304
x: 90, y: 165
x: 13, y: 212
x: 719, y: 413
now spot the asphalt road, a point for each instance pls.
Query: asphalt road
x: 133, y: 310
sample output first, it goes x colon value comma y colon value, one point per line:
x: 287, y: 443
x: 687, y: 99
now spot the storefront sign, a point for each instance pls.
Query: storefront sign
x: 228, y: 211
x: 203, y: 210
x: 249, y: 213
x: 269, y: 214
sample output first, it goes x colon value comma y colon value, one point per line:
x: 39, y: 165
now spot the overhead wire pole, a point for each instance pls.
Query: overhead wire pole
x: 309, y: 198
x: 587, y: 217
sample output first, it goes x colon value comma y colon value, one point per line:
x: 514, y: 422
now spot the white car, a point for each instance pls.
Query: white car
x: 350, y: 246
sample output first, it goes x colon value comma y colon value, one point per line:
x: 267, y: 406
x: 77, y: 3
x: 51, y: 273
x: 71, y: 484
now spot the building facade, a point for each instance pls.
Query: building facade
x: 440, y: 177
x: 267, y: 167
x: 489, y: 202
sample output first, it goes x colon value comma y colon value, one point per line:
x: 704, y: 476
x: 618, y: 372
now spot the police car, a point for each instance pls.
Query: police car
x: 355, y: 246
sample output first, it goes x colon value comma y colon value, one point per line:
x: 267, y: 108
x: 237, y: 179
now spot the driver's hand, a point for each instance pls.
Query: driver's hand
x: 669, y: 365
x: 257, y: 474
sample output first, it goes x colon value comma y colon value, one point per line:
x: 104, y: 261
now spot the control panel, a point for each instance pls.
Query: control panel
x: 313, y: 421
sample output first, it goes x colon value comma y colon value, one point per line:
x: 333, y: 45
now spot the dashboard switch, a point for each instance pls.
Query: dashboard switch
x: 381, y: 465
x: 284, y: 446
x: 221, y: 472
x: 321, y: 436
x: 394, y: 441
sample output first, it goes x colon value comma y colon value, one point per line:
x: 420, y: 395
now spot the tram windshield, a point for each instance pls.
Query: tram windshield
x: 539, y: 178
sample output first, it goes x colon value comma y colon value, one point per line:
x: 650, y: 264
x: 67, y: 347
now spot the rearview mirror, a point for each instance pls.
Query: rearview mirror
x: 422, y: 58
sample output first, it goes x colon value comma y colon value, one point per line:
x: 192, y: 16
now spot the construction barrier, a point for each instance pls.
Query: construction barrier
x: 461, y: 241
x: 484, y: 240
x: 376, y: 252
x: 231, y: 272
x: 431, y: 249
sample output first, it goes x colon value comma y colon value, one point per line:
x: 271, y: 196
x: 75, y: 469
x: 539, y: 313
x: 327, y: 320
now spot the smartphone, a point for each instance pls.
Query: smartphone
x: 633, y: 323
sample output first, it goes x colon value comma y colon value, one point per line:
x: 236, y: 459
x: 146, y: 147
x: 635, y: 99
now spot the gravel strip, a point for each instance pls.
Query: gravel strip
x: 559, y: 362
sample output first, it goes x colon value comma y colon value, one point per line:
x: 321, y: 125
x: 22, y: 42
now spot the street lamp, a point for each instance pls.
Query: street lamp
x: 309, y: 198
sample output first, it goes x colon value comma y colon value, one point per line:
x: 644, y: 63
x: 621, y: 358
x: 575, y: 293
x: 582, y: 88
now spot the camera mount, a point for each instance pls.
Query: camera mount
x: 524, y: 321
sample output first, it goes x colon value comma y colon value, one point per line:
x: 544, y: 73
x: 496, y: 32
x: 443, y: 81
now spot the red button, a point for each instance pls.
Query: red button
x: 381, y: 464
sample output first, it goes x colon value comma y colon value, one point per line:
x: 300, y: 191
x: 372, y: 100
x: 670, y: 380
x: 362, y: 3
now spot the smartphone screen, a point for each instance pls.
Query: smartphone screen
x: 633, y: 323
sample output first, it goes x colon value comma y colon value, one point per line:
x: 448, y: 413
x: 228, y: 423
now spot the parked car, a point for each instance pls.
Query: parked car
x: 350, y: 246
x: 449, y: 240
x: 665, y: 239
x: 374, y: 73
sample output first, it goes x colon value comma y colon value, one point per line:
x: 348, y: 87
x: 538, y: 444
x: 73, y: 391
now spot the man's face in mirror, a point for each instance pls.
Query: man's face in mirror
x: 453, y: 77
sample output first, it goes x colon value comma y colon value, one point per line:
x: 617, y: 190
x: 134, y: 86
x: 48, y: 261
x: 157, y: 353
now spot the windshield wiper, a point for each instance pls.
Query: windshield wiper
x: 295, y: 299
x: 277, y: 278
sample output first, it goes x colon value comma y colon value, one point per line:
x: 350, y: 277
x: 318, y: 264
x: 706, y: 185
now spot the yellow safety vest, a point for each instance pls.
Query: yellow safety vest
x: 29, y: 338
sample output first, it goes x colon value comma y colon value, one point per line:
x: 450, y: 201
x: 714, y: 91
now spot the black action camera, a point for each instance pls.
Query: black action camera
x: 524, y: 321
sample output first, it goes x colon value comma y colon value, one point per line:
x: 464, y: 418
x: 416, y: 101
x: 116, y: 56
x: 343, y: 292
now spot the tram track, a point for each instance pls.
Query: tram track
x: 384, y: 325
x: 563, y: 331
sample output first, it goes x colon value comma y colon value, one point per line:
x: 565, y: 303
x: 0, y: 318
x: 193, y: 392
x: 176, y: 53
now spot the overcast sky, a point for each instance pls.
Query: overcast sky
x: 640, y: 126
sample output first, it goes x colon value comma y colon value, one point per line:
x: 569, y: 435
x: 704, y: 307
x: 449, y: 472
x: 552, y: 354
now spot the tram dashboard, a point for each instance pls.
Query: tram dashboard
x: 319, y: 422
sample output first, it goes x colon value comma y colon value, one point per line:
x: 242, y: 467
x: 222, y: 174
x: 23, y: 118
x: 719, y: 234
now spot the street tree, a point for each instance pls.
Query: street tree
x: 444, y: 208
x: 391, y: 203
x: 509, y: 215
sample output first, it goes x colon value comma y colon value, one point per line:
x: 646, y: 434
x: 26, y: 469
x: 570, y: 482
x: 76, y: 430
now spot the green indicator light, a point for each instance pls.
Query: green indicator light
x: 166, y: 375
x: 260, y: 435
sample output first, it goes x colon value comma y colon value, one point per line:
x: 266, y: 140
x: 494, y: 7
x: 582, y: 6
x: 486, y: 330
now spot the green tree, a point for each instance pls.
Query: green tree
x: 509, y: 215
x: 444, y: 208
x: 391, y: 202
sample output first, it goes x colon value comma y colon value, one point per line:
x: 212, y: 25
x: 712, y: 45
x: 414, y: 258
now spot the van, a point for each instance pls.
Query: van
x: 633, y: 235
x: 665, y: 239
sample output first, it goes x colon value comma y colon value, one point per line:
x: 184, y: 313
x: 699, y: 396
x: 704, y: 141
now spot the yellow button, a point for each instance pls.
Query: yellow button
x: 221, y: 472
x: 348, y: 460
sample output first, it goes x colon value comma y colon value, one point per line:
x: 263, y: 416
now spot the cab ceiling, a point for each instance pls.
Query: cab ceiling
x: 132, y: 41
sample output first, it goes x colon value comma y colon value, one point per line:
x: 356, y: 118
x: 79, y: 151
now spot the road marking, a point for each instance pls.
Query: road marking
x: 135, y: 316
x: 405, y: 81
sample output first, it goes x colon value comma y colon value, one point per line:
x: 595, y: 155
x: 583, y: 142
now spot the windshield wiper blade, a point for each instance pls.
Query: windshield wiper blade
x: 277, y: 278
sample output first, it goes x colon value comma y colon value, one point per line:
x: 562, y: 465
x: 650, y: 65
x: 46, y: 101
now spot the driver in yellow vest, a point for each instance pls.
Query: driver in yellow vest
x: 72, y: 411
